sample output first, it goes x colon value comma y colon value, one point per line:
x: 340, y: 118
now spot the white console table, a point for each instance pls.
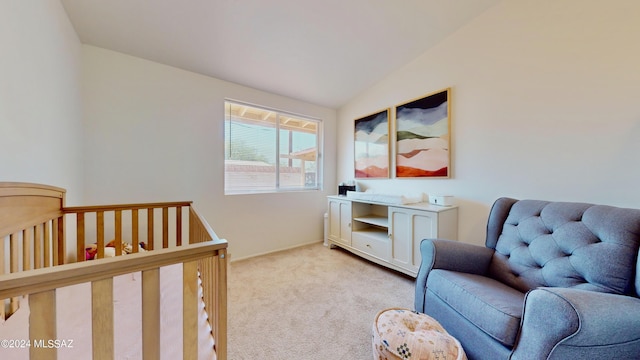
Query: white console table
x: 388, y: 234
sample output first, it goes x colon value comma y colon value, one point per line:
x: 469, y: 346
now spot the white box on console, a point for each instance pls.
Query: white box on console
x: 442, y: 200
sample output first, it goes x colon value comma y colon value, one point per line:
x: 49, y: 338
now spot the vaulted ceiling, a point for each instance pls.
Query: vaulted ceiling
x: 320, y: 51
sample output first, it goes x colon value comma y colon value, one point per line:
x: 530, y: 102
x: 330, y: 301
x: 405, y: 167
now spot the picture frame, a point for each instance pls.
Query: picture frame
x: 371, y: 145
x: 423, y: 137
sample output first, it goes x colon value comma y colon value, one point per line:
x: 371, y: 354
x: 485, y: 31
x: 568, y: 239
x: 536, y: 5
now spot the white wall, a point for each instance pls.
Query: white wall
x: 544, y: 105
x: 156, y: 133
x: 40, y: 104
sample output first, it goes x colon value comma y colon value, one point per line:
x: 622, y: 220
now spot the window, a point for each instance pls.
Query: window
x: 269, y: 151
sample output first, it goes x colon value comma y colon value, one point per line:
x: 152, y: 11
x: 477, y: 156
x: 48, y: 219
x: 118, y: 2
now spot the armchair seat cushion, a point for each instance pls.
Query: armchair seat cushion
x: 490, y: 305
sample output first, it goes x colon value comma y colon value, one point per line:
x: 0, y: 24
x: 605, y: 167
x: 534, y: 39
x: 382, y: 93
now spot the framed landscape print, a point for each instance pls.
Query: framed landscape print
x: 371, y: 135
x: 423, y: 137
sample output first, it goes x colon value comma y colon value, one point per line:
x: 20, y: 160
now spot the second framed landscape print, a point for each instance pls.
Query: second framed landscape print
x: 371, y: 136
x: 423, y: 137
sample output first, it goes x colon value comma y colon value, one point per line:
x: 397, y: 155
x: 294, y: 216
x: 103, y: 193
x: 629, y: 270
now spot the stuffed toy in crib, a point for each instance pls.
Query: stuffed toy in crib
x: 110, y: 249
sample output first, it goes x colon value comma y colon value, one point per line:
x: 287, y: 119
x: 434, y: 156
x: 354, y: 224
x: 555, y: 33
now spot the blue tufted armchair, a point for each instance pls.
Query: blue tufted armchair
x: 555, y: 280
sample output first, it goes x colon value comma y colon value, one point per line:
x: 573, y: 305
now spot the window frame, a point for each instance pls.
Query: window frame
x: 277, y: 188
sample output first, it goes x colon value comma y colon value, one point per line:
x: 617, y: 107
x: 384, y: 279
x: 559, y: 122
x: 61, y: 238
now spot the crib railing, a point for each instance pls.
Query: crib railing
x: 38, y: 241
x: 159, y: 225
x: 139, y: 219
x: 41, y: 285
x: 213, y: 272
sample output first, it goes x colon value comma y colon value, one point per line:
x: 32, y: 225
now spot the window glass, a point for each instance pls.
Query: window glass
x: 268, y: 151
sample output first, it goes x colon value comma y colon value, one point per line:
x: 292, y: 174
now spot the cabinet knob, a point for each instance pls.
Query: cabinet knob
x: 390, y: 236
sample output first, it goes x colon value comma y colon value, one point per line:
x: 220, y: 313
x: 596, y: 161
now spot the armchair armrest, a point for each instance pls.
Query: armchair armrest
x: 449, y: 255
x: 568, y: 323
x: 454, y: 255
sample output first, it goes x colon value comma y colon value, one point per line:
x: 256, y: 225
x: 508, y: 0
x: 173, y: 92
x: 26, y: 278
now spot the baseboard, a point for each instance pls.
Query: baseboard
x: 276, y: 251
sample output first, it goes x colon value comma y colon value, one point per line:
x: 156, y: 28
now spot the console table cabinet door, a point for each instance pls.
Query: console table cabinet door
x: 340, y: 221
x: 408, y: 228
x: 425, y: 226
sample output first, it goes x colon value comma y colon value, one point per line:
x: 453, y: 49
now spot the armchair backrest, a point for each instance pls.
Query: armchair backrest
x: 562, y: 244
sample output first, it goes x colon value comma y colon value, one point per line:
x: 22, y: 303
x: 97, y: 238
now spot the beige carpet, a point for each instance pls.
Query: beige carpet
x: 309, y: 303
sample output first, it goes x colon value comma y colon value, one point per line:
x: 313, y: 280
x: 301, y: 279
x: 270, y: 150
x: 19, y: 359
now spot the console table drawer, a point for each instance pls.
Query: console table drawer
x: 375, y: 243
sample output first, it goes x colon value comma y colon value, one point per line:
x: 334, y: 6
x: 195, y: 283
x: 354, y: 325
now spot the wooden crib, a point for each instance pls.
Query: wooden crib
x: 35, y: 228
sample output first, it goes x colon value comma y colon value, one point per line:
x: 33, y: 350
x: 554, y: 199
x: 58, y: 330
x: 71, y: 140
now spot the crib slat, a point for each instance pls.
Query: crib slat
x: 57, y: 244
x: 80, y: 240
x: 59, y: 241
x: 151, y: 314
x: 100, y: 234
x: 165, y: 227
x: 54, y: 242
x: 118, y: 229
x: 213, y: 264
x: 102, y: 318
x: 135, y: 241
x: 192, y: 226
x: 47, y: 244
x: 13, y: 268
x: 13, y: 250
x: 219, y: 294
x: 190, y: 310
x: 2, y: 242
x: 26, y: 249
x: 42, y: 323
x: 150, y: 229
x: 178, y: 225
x: 208, y: 283
x: 37, y: 246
